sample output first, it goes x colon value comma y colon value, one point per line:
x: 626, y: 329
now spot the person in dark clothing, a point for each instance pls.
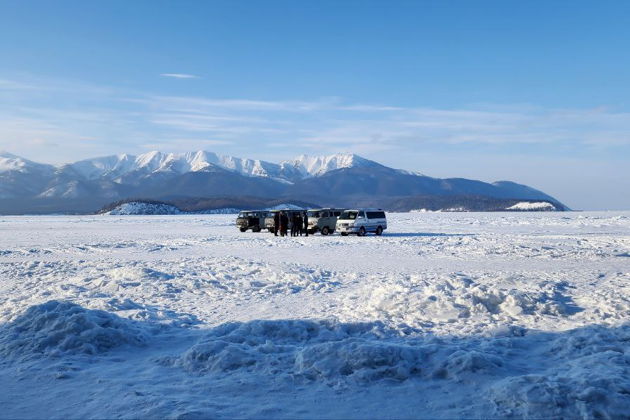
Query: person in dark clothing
x: 305, y: 220
x: 297, y: 225
x: 292, y: 218
x: 276, y: 223
x: 284, y: 224
x: 294, y: 224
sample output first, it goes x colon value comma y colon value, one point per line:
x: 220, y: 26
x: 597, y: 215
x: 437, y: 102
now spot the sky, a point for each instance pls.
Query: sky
x: 536, y: 92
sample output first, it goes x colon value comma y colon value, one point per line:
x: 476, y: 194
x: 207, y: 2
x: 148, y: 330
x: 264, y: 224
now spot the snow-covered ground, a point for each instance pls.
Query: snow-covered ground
x: 445, y: 315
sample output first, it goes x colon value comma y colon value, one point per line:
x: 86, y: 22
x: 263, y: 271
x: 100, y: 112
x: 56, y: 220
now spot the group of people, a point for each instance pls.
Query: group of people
x: 299, y: 223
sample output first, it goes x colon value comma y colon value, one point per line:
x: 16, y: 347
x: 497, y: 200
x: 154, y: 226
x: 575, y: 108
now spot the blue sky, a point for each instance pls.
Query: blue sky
x: 537, y: 92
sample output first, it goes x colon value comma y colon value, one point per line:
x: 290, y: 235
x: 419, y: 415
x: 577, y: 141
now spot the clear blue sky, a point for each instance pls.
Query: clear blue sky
x: 533, y: 91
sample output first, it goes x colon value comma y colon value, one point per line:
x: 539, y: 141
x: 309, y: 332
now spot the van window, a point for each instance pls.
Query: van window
x: 362, y: 214
x: 376, y: 214
x: 348, y: 215
x: 337, y: 213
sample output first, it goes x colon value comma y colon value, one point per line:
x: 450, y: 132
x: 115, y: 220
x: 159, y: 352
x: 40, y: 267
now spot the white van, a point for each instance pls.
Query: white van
x: 362, y: 221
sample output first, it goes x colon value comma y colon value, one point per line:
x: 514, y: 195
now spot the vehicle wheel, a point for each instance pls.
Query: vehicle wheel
x: 272, y: 230
x: 344, y: 233
x: 256, y: 229
x: 361, y: 231
x: 243, y: 229
x: 379, y: 231
x: 325, y: 230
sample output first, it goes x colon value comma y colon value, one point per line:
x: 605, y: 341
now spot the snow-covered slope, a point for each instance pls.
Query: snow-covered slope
x: 319, y: 165
x: 139, y: 208
x: 108, y: 166
x: 10, y: 162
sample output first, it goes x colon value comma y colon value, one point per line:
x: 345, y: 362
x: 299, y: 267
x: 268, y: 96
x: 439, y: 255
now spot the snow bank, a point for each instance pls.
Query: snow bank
x: 419, y: 302
x: 589, y: 377
x: 532, y: 206
x: 56, y: 328
x: 306, y: 349
x: 579, y: 373
x: 330, y: 352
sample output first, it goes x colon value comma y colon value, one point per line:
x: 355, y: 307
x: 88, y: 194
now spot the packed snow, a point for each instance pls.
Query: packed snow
x: 445, y: 315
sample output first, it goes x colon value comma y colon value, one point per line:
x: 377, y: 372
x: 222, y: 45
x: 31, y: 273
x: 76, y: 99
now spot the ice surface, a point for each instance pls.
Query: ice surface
x: 446, y: 315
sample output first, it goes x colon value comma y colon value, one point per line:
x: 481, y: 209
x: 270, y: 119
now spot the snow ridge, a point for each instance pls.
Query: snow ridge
x: 319, y: 165
x: 10, y: 162
x: 303, y: 166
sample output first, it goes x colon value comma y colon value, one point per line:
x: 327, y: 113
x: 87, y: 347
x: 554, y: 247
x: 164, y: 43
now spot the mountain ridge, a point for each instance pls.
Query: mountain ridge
x: 335, y: 179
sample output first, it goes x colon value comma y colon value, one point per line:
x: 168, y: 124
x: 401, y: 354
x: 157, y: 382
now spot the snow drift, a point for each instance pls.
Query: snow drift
x: 314, y: 350
x: 54, y: 329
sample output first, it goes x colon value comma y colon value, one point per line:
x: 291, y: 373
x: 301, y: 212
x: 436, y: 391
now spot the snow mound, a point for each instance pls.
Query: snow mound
x: 140, y: 208
x: 532, y: 206
x: 311, y: 350
x: 418, y: 302
x: 331, y: 352
x: 56, y: 328
x: 590, y: 378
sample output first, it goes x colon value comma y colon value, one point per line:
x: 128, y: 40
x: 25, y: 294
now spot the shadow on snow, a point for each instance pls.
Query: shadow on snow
x: 578, y: 373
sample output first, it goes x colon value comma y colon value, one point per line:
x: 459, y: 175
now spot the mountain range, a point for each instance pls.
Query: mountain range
x: 338, y: 179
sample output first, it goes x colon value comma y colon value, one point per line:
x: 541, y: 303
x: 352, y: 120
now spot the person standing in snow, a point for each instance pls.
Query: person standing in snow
x: 296, y: 228
x: 293, y: 220
x: 305, y: 220
x: 276, y: 223
x: 284, y: 224
x: 300, y: 224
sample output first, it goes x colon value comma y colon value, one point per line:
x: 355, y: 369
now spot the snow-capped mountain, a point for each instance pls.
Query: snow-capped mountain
x: 309, y: 166
x: 115, y: 167
x: 339, y: 179
x: 10, y: 163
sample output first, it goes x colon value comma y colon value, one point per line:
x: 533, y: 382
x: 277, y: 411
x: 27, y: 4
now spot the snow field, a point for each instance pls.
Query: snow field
x: 446, y: 315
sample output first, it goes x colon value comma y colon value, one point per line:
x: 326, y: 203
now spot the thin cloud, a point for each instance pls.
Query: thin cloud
x: 180, y: 75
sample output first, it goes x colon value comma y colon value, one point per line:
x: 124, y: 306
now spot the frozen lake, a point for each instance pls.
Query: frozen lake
x: 445, y: 315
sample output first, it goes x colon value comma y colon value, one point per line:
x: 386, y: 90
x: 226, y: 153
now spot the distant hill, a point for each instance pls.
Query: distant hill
x: 335, y: 180
x: 224, y: 205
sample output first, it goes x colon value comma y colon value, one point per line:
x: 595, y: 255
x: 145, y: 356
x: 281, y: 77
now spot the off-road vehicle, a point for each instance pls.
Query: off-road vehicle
x: 251, y: 219
x: 323, y: 220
